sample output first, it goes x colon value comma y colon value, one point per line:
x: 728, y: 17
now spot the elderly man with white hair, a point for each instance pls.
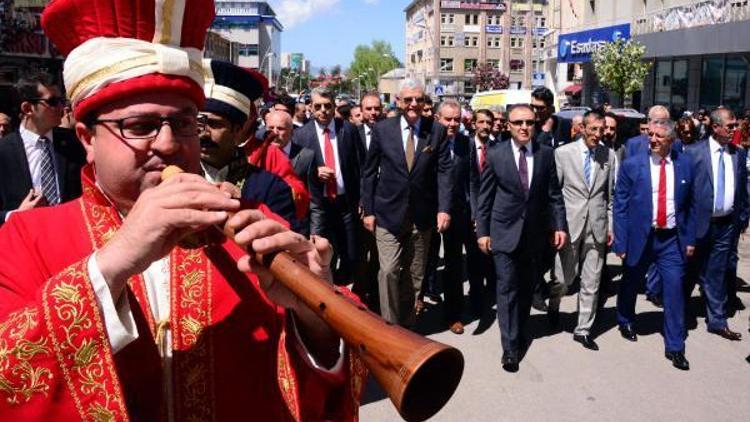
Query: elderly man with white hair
x: 406, y: 193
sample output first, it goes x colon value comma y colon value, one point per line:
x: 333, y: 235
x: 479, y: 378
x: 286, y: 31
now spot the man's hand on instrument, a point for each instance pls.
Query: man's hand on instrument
x: 265, y: 236
x: 254, y: 232
x: 160, y: 217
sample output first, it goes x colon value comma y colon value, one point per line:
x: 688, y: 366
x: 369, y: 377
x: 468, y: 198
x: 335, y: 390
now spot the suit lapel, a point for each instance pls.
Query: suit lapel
x: 60, y: 143
x: 313, y: 135
x: 646, y: 176
x: 536, y: 152
x: 424, y: 136
x: 706, y: 152
x: 601, y: 156
x: 23, y: 162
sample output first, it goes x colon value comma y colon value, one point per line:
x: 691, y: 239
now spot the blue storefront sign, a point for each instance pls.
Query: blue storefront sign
x: 493, y: 29
x: 578, y: 46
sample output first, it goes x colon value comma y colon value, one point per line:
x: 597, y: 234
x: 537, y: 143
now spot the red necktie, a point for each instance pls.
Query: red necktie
x: 482, y: 159
x: 330, y: 163
x: 661, y: 207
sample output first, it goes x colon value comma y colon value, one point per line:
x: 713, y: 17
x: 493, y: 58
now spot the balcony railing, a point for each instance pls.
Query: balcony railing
x: 692, y: 16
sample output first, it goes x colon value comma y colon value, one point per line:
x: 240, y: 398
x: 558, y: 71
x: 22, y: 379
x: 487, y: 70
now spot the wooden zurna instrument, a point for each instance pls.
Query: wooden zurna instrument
x: 418, y: 374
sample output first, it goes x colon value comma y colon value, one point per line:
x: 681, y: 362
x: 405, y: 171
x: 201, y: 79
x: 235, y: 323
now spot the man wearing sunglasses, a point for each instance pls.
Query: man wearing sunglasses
x: 721, y: 208
x: 40, y: 164
x: 520, y: 208
x: 336, y: 189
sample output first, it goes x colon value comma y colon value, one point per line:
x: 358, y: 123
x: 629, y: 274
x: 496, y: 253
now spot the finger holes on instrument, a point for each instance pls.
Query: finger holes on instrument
x: 322, y: 306
x: 337, y: 292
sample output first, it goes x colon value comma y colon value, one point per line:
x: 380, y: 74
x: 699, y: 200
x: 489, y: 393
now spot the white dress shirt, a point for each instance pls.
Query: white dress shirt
x: 34, y: 153
x: 529, y: 157
x: 405, y: 133
x: 728, y: 207
x: 368, y: 135
x: 655, y: 166
x: 340, y: 189
x: 214, y: 175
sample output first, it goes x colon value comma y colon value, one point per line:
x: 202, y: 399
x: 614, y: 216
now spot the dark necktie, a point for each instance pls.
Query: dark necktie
x: 523, y: 170
x: 482, y: 157
x: 49, y: 183
x: 661, y: 201
x: 410, y: 149
x: 330, y: 159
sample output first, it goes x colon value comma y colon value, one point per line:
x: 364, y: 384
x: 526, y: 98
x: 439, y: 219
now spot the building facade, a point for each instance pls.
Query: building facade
x: 220, y: 48
x: 447, y: 40
x: 699, y: 50
x: 256, y: 30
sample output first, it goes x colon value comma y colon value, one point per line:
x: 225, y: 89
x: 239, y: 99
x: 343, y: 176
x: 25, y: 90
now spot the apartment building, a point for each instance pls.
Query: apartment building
x: 447, y: 40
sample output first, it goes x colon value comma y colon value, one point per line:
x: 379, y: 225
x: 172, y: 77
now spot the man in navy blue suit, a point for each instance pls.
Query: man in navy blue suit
x: 406, y: 193
x: 336, y: 189
x: 654, y: 222
x: 721, y: 211
x: 520, y: 208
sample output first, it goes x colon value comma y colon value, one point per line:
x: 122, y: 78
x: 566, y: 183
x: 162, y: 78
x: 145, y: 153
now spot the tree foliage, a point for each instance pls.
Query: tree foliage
x: 371, y: 62
x: 488, y: 77
x: 620, y: 68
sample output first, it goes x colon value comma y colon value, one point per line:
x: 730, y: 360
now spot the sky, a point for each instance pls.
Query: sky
x: 328, y: 31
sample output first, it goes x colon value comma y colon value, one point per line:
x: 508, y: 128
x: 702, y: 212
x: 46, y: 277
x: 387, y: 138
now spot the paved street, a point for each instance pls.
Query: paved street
x: 560, y: 380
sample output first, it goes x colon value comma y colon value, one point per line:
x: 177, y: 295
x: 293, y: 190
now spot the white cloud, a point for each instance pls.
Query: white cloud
x: 294, y: 12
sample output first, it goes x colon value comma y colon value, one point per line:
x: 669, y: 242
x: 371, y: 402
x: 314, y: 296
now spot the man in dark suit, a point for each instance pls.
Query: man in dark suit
x: 480, y: 267
x: 547, y: 126
x: 406, y: 187
x: 458, y: 233
x: 366, y: 281
x: 520, y: 207
x: 337, y: 186
x: 654, y: 222
x: 279, y: 123
x: 721, y: 211
x: 40, y: 164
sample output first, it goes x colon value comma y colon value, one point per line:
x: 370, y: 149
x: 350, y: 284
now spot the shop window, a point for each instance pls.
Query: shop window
x: 711, y: 75
x: 679, y: 84
x: 735, y: 82
x: 663, y: 81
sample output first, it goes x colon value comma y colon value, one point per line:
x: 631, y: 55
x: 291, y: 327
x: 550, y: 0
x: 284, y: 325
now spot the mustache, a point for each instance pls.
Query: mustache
x: 207, y: 143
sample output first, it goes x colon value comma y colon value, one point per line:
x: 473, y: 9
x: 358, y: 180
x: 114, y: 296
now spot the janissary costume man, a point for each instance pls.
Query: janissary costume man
x: 102, y: 316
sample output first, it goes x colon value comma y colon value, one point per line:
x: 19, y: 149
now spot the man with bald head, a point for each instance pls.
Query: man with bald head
x: 5, y: 125
x: 640, y: 144
x: 280, y: 126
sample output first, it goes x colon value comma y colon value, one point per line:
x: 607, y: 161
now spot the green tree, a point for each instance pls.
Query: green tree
x: 620, y: 68
x: 371, y: 62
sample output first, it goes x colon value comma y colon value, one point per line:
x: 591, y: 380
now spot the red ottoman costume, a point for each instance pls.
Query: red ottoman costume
x: 224, y: 352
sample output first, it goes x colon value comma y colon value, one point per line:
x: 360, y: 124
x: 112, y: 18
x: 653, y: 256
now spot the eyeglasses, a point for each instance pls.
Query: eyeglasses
x: 528, y: 123
x: 538, y: 107
x: 148, y: 127
x: 51, y: 101
x: 327, y: 106
x: 409, y: 100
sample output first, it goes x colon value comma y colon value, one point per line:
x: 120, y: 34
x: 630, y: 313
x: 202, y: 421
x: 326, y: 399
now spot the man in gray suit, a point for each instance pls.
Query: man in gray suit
x: 281, y: 125
x: 586, y: 169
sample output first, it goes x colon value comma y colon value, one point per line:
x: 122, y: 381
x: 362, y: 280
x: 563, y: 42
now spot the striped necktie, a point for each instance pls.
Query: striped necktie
x: 49, y: 181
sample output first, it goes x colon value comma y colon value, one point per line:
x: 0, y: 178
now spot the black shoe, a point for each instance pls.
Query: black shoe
x: 586, y: 341
x: 726, y: 333
x: 539, y: 304
x: 655, y: 300
x: 678, y: 360
x: 628, y: 333
x: 510, y: 361
x: 736, y: 304
x: 553, y: 318
x: 747, y: 359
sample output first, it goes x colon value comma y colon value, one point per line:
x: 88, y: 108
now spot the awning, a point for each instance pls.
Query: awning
x: 573, y: 89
